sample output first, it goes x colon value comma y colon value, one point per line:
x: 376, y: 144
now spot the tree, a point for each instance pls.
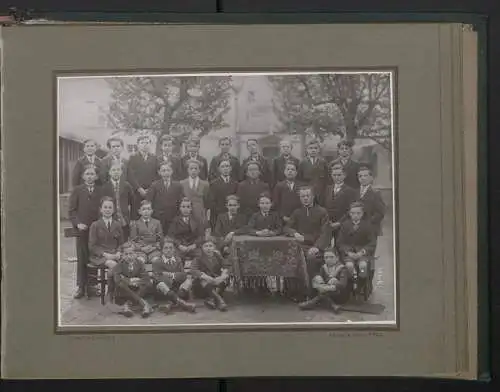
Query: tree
x: 349, y: 105
x: 179, y: 106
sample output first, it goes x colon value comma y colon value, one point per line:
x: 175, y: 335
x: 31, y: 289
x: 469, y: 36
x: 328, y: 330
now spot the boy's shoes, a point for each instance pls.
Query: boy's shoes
x: 183, y: 294
x: 146, y: 310
x: 166, y: 308
x: 189, y: 307
x: 310, y: 304
x: 210, y: 304
x: 80, y: 293
x: 220, y: 304
x: 126, y: 311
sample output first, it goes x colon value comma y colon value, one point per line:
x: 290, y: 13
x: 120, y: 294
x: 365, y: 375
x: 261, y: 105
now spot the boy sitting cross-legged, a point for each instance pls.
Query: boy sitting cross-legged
x: 171, y: 280
x: 146, y: 234
x: 332, y: 284
x: 132, y: 282
x: 211, y: 276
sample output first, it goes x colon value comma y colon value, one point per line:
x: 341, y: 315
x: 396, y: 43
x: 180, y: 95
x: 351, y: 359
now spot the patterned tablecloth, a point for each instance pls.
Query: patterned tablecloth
x: 267, y: 257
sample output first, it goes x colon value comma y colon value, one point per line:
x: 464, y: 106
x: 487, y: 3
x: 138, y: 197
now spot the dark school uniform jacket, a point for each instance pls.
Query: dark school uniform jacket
x: 142, y: 172
x: 374, y: 208
x: 165, y: 199
x: 308, y: 221
x: 286, y: 200
x: 249, y: 192
x: 80, y: 165
x: 178, y: 170
x: 83, y: 205
x: 124, y: 196
x: 150, y: 234
x: 102, y: 240
x: 184, y: 233
x: 213, y: 172
x: 217, y: 193
x: 351, y: 168
x: 315, y: 174
x: 106, y: 164
x: 167, y: 264
x: 278, y: 167
x: 211, y: 266
x: 125, y: 270
x: 265, y: 170
x: 203, y: 166
x: 270, y: 221
x: 337, y: 204
x: 224, y: 225
x: 355, y: 239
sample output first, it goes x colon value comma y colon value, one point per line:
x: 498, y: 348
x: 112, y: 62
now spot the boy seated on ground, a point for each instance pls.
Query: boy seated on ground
x: 356, y: 242
x: 146, y: 233
x: 211, y: 277
x: 229, y: 224
x: 132, y: 282
x: 265, y: 223
x: 332, y: 284
x: 170, y: 279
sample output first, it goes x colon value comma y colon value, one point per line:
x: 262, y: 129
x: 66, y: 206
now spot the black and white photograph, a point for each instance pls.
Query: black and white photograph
x: 220, y: 199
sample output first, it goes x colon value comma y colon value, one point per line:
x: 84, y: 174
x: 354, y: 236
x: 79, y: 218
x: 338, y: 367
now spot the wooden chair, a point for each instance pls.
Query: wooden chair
x: 101, y: 279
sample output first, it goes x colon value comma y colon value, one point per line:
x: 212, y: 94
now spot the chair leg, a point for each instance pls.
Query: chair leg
x: 103, y: 286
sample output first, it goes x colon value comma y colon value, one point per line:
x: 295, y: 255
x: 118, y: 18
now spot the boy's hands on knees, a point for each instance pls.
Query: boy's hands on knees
x: 81, y: 226
x: 299, y: 237
x: 134, y: 281
x: 313, y: 251
x: 229, y: 237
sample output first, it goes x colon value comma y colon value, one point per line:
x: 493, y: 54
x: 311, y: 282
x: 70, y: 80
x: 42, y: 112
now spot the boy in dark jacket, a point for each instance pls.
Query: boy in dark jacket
x: 171, y: 280
x: 286, y: 193
x: 250, y: 189
x: 211, y: 276
x: 221, y: 186
x: 265, y: 223
x: 132, y: 282
x: 165, y: 196
x: 83, y: 211
x: 279, y: 163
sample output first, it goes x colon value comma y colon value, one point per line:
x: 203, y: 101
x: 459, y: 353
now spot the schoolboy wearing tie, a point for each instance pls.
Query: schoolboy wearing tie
x: 225, y: 155
x: 221, y: 187
x: 142, y: 172
x: 313, y: 169
x: 279, y: 163
x: 89, y: 159
x: 351, y: 167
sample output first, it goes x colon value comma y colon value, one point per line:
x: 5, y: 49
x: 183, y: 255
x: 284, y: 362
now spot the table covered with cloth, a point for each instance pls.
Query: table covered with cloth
x: 271, y: 259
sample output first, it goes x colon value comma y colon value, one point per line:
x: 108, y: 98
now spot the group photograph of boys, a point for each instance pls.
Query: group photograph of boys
x: 226, y: 199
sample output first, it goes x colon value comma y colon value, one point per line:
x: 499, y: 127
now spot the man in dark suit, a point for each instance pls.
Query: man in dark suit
x: 338, y: 197
x: 167, y: 155
x: 192, y: 153
x: 142, y: 171
x: 350, y: 166
x: 313, y: 169
x: 225, y: 147
x: 374, y: 206
x: 255, y: 156
x: 89, y: 158
x: 123, y: 196
x: 83, y: 211
x: 115, y: 146
x: 250, y: 189
x: 165, y: 196
x: 278, y: 164
x: 221, y: 187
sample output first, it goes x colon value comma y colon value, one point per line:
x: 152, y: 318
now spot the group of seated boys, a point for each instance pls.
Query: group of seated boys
x: 180, y: 215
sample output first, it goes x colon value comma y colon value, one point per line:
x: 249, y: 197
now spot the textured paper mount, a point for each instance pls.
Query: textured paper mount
x: 436, y: 200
